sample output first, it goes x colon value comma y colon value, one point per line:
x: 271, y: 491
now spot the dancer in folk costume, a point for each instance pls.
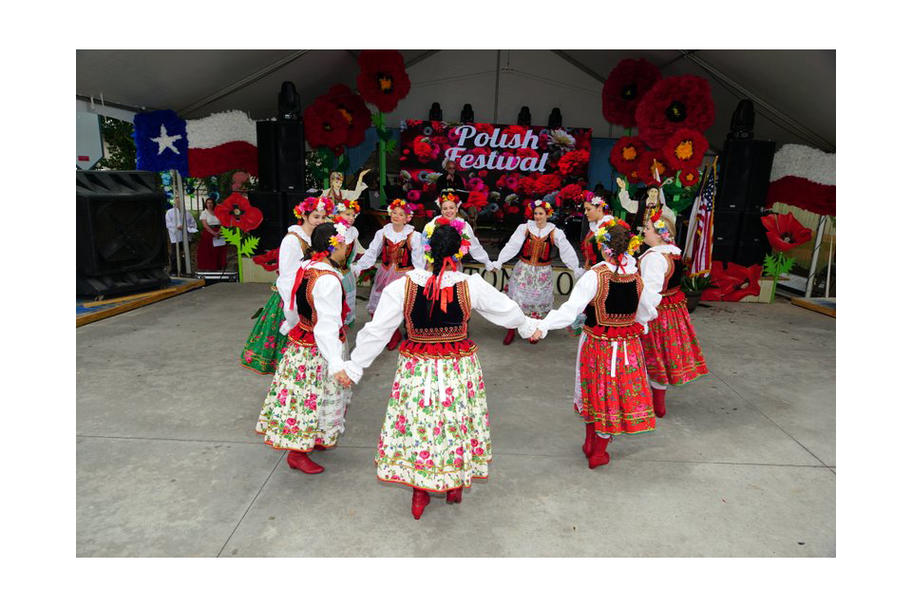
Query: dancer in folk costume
x: 305, y: 406
x: 267, y: 339
x: 400, y: 250
x: 435, y: 437
x: 616, y: 399
x: 673, y: 353
x: 530, y: 283
x: 348, y: 210
x: 449, y: 204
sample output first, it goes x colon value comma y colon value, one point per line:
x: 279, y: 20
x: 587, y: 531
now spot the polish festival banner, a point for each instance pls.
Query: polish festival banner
x: 498, y: 169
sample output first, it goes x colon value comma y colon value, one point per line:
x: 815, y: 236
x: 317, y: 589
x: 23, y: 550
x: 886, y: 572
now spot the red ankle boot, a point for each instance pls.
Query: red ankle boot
x: 302, y: 462
x: 658, y: 402
x: 394, y: 340
x: 599, y: 456
x: 454, y: 496
x: 508, y: 339
x: 420, y: 500
x: 590, y: 433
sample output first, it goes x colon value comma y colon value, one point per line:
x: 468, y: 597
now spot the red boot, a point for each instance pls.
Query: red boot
x: 599, y: 456
x: 658, y: 402
x: 508, y: 339
x: 420, y: 500
x: 302, y: 462
x: 394, y: 340
x: 590, y: 433
x: 454, y: 496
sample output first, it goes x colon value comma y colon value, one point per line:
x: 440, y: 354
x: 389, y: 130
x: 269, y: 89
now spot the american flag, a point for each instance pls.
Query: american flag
x: 698, y: 247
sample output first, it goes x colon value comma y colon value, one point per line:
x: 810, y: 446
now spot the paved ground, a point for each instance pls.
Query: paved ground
x: 168, y: 463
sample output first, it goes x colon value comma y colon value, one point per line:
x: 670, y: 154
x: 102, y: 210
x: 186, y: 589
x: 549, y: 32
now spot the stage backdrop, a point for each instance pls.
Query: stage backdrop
x: 499, y: 167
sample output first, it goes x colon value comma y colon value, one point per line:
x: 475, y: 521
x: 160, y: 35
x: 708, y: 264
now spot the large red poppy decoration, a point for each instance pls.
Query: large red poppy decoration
x: 626, y: 154
x: 236, y: 210
x: 625, y: 86
x: 268, y: 260
x: 353, y: 109
x: 685, y: 149
x: 324, y: 125
x: 674, y: 103
x: 732, y: 282
x: 784, y: 232
x: 382, y: 80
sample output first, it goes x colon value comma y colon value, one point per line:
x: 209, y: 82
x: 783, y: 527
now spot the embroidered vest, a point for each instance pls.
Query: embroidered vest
x: 589, y: 249
x: 302, y: 333
x: 399, y: 253
x: 425, y: 322
x: 536, y: 250
x: 615, y: 302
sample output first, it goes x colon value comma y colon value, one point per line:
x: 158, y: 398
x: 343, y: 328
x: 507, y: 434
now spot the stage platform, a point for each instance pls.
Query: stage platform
x: 88, y: 311
x: 826, y: 306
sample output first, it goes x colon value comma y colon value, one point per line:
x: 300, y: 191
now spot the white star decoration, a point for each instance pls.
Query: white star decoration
x: 166, y: 141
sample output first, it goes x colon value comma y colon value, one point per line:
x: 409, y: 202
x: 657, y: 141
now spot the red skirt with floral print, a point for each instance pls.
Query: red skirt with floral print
x: 618, y: 404
x: 673, y: 354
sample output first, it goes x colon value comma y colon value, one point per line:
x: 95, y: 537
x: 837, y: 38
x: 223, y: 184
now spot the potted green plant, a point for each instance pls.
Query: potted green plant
x: 693, y: 287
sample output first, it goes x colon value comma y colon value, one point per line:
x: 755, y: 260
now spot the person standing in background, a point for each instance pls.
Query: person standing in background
x: 175, y: 233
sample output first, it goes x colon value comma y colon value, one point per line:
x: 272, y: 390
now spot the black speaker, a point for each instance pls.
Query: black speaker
x: 290, y: 155
x: 726, y: 227
x: 752, y: 242
x: 744, y: 173
x: 276, y: 220
x: 267, y: 180
x: 121, y: 239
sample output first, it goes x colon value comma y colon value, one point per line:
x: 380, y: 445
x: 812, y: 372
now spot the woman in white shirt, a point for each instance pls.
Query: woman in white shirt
x: 435, y: 436
x: 449, y: 204
x: 530, y: 284
x: 348, y: 210
x: 305, y: 406
x: 211, y: 255
x: 266, y: 342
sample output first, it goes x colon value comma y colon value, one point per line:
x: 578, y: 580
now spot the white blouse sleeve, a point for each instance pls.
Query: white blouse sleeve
x: 376, y: 333
x: 477, y: 251
x: 652, y: 270
x: 327, y: 295
x: 512, y: 247
x: 567, y: 253
x: 370, y: 255
x: 626, y: 202
x: 497, y: 308
x: 290, y: 255
x: 417, y: 244
x: 171, y: 219
x: 583, y: 292
x: 353, y: 195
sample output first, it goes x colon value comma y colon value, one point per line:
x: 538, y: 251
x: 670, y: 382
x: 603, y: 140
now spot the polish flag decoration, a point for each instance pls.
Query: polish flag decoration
x: 222, y: 142
x: 803, y: 177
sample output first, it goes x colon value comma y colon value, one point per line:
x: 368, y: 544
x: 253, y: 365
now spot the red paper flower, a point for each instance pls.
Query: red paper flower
x: 268, y: 260
x: 569, y: 194
x: 523, y: 153
x: 784, y: 232
x: 745, y: 281
x: 236, y: 210
x: 689, y: 177
x: 650, y: 162
x: 625, y: 155
x: 546, y: 183
x: 382, y: 80
x: 324, y: 125
x: 425, y: 151
x: 674, y: 103
x: 526, y: 185
x: 573, y: 163
x: 352, y: 108
x: 624, y: 88
x: 476, y: 200
x: 685, y: 149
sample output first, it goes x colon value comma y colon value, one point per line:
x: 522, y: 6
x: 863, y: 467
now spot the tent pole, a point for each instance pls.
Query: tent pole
x: 829, y: 265
x: 817, y: 241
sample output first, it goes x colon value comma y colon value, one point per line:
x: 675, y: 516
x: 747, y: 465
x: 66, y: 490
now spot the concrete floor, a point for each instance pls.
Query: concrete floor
x: 168, y: 464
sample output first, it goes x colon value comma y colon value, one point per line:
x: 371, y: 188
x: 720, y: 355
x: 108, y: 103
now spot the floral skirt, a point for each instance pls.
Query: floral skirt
x: 349, y: 284
x: 265, y: 345
x: 673, y: 354
x: 435, y: 436
x: 531, y: 288
x: 305, y: 406
x: 621, y: 403
x: 384, y: 277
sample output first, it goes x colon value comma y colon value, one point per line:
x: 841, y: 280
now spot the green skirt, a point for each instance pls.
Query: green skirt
x: 265, y: 345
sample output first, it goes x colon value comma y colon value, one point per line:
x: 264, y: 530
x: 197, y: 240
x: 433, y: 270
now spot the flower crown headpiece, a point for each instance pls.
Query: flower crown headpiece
x: 400, y: 203
x: 597, y: 201
x: 457, y: 224
x: 448, y: 195
x: 530, y: 208
x: 346, y: 204
x: 603, y: 237
x: 310, y: 204
x: 661, y: 226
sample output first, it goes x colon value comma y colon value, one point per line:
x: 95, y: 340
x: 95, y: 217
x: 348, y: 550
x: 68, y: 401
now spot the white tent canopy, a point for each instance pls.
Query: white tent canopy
x: 794, y: 92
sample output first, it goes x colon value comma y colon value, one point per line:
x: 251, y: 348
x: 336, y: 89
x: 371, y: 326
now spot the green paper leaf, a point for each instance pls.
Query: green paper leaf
x: 377, y: 120
x: 390, y: 146
x: 249, y: 246
x: 231, y: 235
